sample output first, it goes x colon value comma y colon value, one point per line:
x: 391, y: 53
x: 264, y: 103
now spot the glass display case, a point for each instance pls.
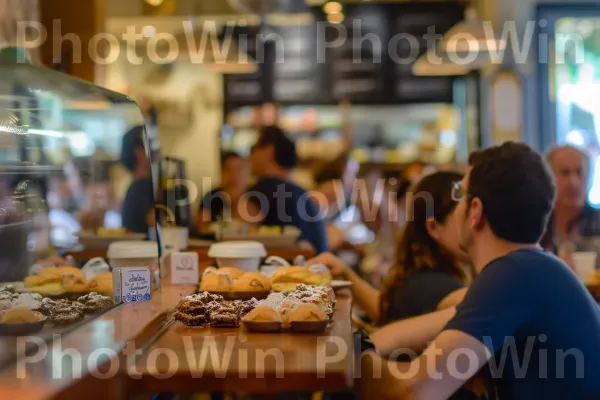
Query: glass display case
x: 68, y: 160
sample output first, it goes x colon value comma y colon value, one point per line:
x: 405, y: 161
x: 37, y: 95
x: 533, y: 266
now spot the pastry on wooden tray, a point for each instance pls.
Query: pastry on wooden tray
x: 286, y: 279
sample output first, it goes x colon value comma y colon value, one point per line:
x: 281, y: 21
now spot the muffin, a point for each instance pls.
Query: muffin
x: 19, y: 315
x: 307, y: 312
x: 263, y: 313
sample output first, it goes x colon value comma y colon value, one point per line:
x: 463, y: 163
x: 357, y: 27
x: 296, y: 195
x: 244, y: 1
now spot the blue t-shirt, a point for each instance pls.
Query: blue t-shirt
x: 138, y: 202
x: 283, y: 203
x: 529, y: 304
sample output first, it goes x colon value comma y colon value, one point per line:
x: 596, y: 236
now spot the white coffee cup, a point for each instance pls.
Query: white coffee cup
x: 175, y: 237
x: 585, y: 264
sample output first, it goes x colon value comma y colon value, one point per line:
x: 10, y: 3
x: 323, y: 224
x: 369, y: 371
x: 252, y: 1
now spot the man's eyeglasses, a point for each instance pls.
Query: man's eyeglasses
x: 457, y: 191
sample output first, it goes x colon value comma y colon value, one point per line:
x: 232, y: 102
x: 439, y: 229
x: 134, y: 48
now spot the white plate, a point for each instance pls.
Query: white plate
x: 337, y: 285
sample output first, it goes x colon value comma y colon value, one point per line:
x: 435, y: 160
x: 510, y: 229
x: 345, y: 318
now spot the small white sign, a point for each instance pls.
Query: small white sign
x: 132, y: 285
x: 184, y: 269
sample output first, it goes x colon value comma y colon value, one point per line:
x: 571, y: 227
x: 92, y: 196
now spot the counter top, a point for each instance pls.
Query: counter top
x: 237, y: 361
x: 51, y: 376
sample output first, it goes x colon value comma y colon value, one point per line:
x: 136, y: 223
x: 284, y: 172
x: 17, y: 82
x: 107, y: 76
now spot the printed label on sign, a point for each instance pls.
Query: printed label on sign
x: 184, y: 269
x: 132, y: 285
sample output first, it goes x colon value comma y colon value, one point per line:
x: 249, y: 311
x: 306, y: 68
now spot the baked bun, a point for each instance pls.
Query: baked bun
x: 209, y: 270
x: 297, y: 275
x: 307, y: 313
x: 284, y: 287
x: 233, y: 272
x: 219, y: 282
x: 263, y: 313
x: 266, y: 282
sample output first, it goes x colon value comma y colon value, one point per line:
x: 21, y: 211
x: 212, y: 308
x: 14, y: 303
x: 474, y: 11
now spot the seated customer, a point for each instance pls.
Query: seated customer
x: 276, y: 201
x: 574, y: 224
x: 222, y: 203
x: 138, y: 206
x: 526, y: 314
x: 428, y: 274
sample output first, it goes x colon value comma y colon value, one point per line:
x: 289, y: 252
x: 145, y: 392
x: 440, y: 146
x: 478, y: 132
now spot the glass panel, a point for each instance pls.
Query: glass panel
x: 576, y: 78
x: 61, y: 142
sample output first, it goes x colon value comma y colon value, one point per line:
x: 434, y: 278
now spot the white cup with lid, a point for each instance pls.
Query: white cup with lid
x: 243, y: 255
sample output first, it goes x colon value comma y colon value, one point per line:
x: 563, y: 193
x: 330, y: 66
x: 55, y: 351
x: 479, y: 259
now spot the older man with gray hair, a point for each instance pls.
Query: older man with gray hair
x: 574, y: 224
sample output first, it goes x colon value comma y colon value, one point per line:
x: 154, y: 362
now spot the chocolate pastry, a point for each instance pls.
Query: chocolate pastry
x: 190, y: 320
x: 65, y: 316
x: 6, y: 296
x: 225, y: 316
x: 95, y: 302
x: 246, y: 307
x: 7, y: 288
x: 206, y: 297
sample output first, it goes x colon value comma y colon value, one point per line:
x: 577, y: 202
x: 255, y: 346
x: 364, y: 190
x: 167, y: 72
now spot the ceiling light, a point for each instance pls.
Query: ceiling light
x: 155, y: 3
x: 335, y: 18
x: 333, y: 7
x: 471, y: 34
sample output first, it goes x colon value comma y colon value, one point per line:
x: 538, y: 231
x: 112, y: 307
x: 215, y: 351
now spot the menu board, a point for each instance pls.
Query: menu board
x: 298, y: 74
x: 419, y: 30
x: 241, y: 89
x: 358, y: 55
x: 366, y: 59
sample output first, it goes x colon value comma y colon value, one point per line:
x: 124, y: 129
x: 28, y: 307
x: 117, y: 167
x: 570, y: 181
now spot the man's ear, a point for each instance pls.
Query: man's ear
x: 476, y: 213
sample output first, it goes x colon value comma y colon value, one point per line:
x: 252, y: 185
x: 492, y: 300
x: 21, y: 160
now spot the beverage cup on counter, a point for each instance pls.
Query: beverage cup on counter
x: 175, y: 237
x: 585, y: 264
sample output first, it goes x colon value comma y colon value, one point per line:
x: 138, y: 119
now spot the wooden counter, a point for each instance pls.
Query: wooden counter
x: 55, y: 377
x: 236, y: 361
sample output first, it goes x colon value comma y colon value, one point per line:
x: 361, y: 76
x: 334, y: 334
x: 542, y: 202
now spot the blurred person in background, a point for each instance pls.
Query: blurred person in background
x: 574, y: 224
x: 274, y: 200
x: 334, y: 185
x: 222, y: 203
x: 430, y: 271
x: 137, y: 210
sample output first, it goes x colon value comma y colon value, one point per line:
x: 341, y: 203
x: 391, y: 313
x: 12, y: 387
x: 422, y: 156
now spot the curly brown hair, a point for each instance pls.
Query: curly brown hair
x: 416, y: 250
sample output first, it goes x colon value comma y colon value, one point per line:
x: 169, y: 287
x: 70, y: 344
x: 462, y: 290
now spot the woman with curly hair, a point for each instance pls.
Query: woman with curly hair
x: 430, y: 272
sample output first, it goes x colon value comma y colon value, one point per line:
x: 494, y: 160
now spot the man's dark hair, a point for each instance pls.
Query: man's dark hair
x: 132, y: 139
x: 285, y: 148
x: 228, y: 155
x: 516, y: 189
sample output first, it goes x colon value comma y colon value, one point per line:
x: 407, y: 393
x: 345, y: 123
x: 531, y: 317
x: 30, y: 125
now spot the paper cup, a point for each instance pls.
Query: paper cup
x: 175, y: 238
x: 585, y: 264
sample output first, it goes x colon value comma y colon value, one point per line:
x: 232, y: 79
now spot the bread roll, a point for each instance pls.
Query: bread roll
x: 252, y: 282
x: 300, y: 275
x: 233, y: 272
x: 220, y: 282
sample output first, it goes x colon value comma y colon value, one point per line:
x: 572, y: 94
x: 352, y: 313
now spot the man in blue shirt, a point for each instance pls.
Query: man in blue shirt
x: 526, y: 315
x: 138, y: 205
x: 276, y: 201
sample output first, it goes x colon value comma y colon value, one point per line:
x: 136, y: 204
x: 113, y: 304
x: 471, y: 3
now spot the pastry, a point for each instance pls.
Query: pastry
x: 27, y: 300
x: 274, y: 300
x: 263, y: 313
x: 209, y: 270
x: 55, y: 275
x: 234, y: 273
x: 20, y: 315
x: 102, y: 283
x: 5, y: 304
x: 65, y: 316
x: 219, y: 282
x: 286, y: 279
x: 307, y: 313
x: 286, y: 308
x: 7, y: 288
x: 252, y: 282
x: 190, y: 320
x: 224, y: 316
x: 245, y: 307
x: 95, y: 302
